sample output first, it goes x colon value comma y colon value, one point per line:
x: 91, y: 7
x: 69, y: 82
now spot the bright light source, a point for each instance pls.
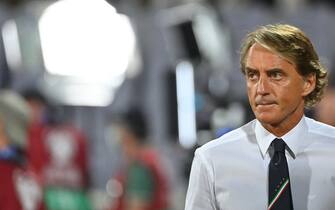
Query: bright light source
x: 87, y: 40
x: 11, y: 44
x: 186, y: 104
x: 73, y: 94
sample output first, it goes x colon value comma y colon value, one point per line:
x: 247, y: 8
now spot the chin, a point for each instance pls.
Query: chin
x: 267, y: 118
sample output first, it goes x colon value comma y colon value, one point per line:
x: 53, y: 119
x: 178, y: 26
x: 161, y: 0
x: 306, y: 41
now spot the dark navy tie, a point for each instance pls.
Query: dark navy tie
x: 280, y: 197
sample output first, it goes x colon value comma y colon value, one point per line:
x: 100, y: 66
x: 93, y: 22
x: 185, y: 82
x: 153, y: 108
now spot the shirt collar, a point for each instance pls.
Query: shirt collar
x: 292, y: 138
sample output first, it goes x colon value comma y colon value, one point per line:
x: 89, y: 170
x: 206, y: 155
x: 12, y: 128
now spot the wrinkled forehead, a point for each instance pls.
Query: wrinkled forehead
x: 263, y: 57
x: 274, y: 51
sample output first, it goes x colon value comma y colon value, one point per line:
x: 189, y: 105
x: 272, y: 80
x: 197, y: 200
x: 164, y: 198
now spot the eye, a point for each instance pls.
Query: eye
x: 277, y: 75
x: 252, y: 75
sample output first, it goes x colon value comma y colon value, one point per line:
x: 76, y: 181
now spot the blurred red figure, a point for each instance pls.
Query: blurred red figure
x: 66, y: 162
x: 143, y: 181
x: 58, y: 154
x: 37, y: 129
x: 20, y: 188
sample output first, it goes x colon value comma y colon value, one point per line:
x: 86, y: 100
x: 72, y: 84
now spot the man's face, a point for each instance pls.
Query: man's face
x: 128, y: 142
x: 275, y: 89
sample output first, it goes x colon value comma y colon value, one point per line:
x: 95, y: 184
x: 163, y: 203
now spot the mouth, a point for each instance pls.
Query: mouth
x: 265, y: 107
x: 265, y: 103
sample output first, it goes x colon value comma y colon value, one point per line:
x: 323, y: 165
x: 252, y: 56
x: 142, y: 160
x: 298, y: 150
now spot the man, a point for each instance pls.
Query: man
x: 20, y: 189
x: 143, y: 179
x: 282, y: 159
x: 57, y: 153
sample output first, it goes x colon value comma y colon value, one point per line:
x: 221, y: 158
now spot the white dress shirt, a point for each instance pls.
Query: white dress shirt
x: 231, y: 172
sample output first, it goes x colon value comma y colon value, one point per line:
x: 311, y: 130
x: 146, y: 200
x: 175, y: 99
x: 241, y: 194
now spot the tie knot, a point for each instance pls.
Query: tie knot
x: 279, y: 145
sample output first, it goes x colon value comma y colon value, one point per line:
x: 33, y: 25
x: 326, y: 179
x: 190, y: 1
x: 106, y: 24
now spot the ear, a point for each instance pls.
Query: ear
x: 309, y: 84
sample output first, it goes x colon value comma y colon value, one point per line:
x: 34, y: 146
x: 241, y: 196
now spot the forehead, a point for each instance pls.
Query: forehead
x: 260, y: 57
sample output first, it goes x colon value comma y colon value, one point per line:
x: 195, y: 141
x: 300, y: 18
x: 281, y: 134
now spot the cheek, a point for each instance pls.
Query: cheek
x: 251, y: 91
x: 252, y: 102
x: 289, y: 97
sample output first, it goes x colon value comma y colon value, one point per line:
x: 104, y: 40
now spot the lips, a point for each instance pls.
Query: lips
x: 264, y: 102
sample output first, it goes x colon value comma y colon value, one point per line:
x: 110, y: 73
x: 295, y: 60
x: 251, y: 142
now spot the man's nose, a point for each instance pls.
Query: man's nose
x: 263, y: 86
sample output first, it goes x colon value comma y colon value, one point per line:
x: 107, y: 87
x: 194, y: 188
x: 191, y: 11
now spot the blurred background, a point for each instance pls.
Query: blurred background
x: 87, y: 61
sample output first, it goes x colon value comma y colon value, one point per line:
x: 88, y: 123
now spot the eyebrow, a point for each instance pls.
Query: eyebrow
x: 276, y: 69
x: 249, y: 69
